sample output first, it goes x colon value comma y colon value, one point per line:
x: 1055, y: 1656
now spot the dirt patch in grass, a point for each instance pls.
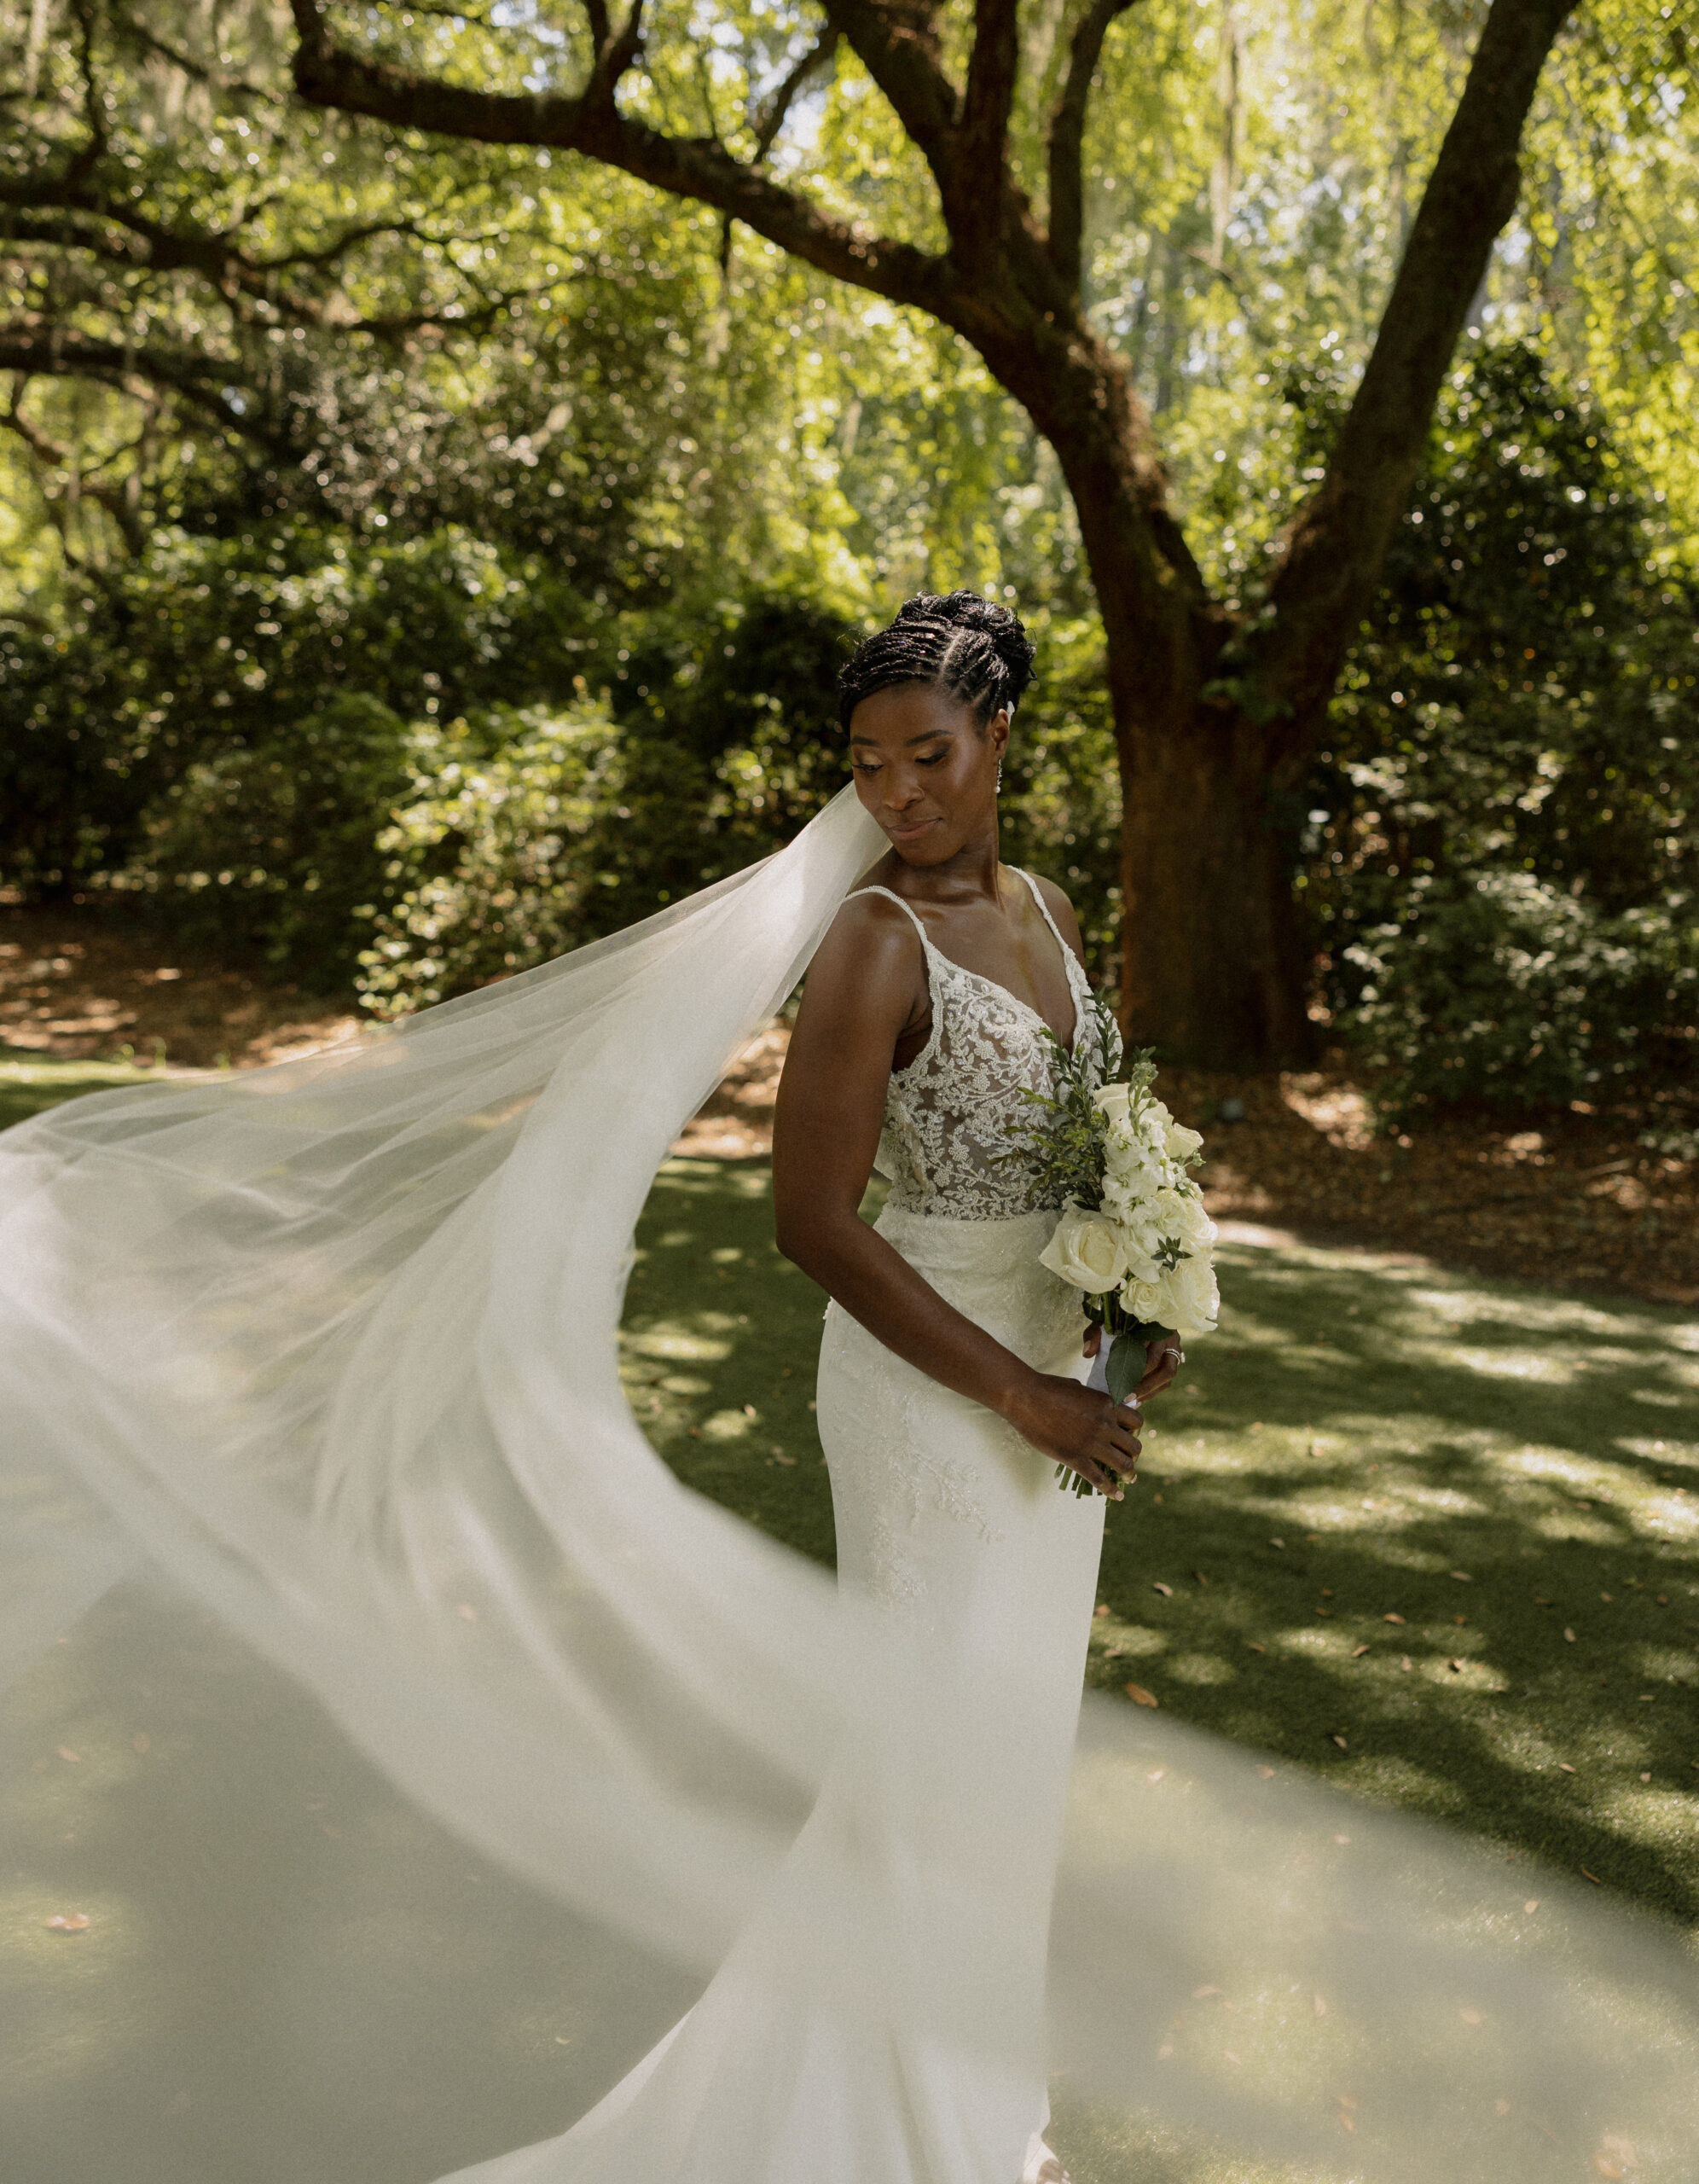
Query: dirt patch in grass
x: 87, y: 983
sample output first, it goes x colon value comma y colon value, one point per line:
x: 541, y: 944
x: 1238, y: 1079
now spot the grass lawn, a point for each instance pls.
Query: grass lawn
x: 1434, y: 1536
x: 1513, y: 1473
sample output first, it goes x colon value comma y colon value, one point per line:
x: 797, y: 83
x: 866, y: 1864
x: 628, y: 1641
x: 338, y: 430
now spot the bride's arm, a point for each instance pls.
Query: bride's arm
x: 866, y: 987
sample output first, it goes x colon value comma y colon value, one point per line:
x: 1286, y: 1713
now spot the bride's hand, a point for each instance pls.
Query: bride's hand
x: 1080, y: 1428
x: 1163, y: 1360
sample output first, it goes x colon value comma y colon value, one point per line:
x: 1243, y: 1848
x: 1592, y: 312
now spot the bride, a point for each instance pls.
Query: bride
x: 950, y: 1389
x: 334, y: 1347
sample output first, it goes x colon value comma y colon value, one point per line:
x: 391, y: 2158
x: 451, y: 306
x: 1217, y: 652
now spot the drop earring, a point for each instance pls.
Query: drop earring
x: 998, y: 783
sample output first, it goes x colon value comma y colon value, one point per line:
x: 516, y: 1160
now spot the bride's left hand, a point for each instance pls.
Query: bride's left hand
x: 1163, y: 1360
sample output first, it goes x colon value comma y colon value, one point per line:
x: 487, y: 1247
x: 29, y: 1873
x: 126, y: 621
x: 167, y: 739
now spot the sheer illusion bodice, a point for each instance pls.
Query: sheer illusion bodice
x: 956, y: 1114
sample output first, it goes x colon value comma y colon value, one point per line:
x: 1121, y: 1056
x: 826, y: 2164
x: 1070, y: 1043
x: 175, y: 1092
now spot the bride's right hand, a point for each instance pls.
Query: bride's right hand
x: 1079, y: 1427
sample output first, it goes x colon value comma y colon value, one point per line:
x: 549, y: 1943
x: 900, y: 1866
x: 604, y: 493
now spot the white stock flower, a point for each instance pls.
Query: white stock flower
x: 1181, y: 1213
x: 1086, y: 1251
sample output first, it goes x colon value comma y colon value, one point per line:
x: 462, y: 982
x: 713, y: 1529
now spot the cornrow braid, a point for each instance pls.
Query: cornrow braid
x: 963, y: 644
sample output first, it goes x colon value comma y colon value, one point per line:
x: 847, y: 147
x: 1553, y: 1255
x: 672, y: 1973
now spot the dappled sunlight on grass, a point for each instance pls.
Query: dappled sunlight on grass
x: 1377, y: 1500
x: 1419, y: 1524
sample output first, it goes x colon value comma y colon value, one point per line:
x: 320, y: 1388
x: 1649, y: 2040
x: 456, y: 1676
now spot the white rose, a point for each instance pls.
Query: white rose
x: 1086, y: 1251
x: 1190, y: 1303
x: 1179, y: 1142
x: 1143, y: 1299
x: 1111, y: 1099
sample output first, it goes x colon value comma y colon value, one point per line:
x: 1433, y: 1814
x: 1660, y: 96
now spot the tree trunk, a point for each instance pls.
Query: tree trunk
x: 1214, y: 968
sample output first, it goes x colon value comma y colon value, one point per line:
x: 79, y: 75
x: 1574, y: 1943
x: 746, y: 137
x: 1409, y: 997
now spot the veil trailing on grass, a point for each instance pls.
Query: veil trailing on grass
x: 334, y: 1345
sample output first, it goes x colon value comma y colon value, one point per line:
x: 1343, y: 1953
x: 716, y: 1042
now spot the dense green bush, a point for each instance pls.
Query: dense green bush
x: 203, y: 648
x: 1503, y: 855
x: 1508, y: 989
x: 268, y: 848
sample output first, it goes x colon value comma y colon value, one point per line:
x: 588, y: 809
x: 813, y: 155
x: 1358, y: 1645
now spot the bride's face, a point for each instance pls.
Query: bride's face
x: 926, y: 769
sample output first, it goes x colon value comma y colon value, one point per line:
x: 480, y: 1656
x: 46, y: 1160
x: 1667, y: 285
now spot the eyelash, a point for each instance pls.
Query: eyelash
x: 861, y: 765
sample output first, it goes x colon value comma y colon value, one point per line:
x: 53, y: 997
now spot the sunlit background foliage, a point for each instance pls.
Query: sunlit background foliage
x: 452, y: 559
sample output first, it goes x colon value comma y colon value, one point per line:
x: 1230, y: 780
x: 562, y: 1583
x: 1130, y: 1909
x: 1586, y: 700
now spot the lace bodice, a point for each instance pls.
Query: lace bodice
x: 957, y: 1107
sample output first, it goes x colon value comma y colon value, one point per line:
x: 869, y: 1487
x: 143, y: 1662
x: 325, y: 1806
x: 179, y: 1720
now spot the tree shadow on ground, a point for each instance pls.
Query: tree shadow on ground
x: 1390, y: 1425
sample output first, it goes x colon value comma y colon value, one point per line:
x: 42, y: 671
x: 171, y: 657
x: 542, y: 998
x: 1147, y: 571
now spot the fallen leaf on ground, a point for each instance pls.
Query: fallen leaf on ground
x: 1266, y: 1773
x: 1359, y: 1653
x: 1254, y: 1648
x: 1456, y: 1667
x: 1392, y: 1618
x: 1570, y: 1635
x: 1469, y: 2017
x: 1102, y: 1608
x: 1320, y: 2005
x: 1405, y: 1662
x: 67, y: 1922
x: 1593, y: 1877
x: 1564, y: 1767
x: 1532, y: 1905
x: 1462, y: 1577
x: 1167, y: 1591
x: 1140, y: 1696
x: 1198, y: 1994
x: 1341, y: 1742
x: 66, y: 1752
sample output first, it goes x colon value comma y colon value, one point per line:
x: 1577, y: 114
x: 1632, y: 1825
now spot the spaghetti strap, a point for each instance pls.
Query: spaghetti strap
x: 1068, y: 954
x: 891, y: 897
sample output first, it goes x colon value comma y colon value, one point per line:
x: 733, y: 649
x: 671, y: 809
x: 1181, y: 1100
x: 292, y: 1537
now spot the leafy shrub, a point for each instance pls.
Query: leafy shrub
x: 1506, y: 823
x: 1511, y: 991
x: 205, y: 646
x: 268, y: 848
x: 492, y: 858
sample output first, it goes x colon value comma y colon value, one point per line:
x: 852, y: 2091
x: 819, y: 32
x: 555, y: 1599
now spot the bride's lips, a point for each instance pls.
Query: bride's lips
x: 910, y: 834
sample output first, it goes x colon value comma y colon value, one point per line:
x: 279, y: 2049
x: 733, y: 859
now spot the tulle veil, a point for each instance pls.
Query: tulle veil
x: 333, y: 1345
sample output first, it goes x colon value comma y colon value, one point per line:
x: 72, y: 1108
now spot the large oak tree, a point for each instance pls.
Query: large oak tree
x: 1218, y: 705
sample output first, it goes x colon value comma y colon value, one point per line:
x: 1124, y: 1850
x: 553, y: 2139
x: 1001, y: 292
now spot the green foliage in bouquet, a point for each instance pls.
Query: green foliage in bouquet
x: 1070, y: 1149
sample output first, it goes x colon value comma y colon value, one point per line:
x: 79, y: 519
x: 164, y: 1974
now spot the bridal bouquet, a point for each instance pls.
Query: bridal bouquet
x: 1133, y: 1237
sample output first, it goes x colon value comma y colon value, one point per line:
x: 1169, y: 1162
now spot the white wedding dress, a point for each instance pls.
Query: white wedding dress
x: 332, y: 1349
x: 957, y: 1528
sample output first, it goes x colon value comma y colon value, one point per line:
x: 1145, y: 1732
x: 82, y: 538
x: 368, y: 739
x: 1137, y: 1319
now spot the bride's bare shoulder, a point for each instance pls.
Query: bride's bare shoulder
x: 870, y: 958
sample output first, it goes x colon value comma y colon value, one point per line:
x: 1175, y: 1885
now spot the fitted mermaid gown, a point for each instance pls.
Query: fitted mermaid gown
x: 789, y: 2070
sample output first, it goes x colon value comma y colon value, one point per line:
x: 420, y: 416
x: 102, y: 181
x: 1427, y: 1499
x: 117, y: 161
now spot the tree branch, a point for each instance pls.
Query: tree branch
x: 699, y: 168
x: 978, y: 170
x: 896, y: 41
x: 149, y: 41
x: 1333, y: 558
x: 1068, y: 137
x: 62, y: 352
x: 773, y: 116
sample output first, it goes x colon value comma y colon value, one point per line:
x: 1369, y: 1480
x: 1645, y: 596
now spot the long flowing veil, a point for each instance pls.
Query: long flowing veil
x: 333, y: 1346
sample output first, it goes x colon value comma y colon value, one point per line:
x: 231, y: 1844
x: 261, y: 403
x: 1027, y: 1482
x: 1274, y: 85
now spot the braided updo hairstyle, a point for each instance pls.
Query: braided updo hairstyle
x: 963, y: 644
